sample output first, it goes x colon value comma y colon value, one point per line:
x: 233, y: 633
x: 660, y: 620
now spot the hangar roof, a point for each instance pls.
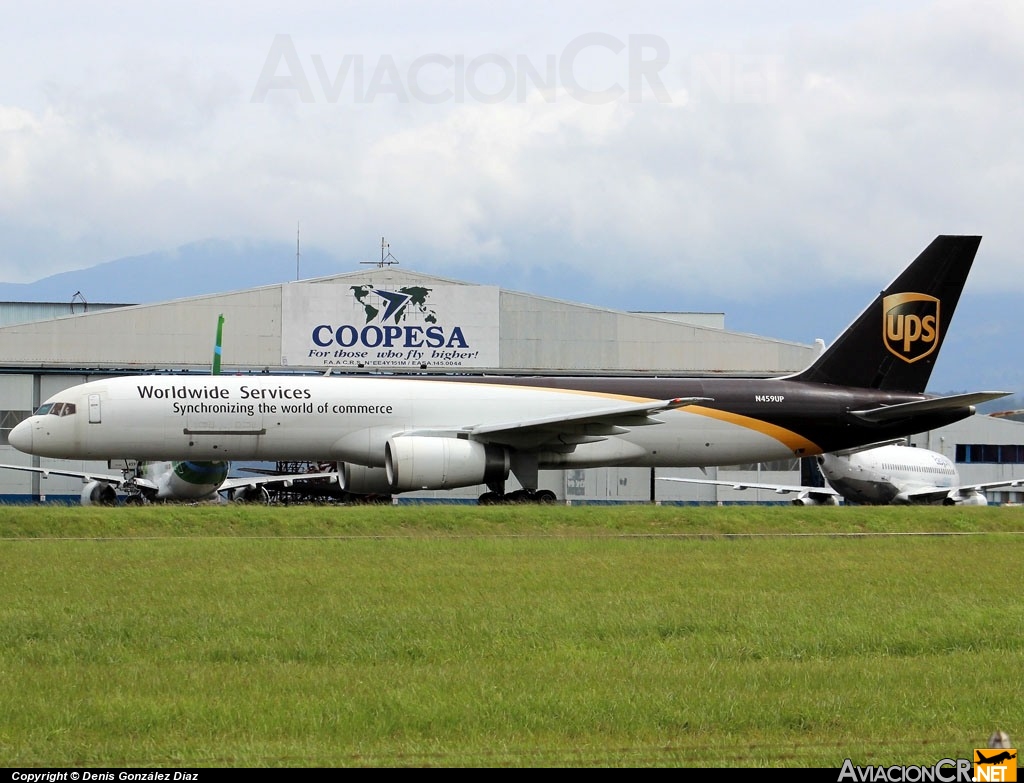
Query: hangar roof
x: 377, y: 319
x: 26, y: 312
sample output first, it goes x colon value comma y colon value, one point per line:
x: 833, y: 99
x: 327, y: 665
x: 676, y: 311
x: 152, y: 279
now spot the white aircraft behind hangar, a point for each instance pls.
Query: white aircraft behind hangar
x: 178, y: 481
x: 888, y: 474
x: 399, y: 434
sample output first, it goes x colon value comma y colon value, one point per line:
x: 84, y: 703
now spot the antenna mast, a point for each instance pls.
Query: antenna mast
x: 385, y: 260
x: 297, y: 226
x: 79, y: 296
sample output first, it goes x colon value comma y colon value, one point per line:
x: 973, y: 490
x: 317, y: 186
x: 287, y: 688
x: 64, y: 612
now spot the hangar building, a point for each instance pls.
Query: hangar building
x: 385, y: 320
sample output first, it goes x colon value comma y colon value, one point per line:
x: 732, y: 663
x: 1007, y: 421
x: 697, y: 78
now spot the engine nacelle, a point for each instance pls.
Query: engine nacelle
x: 812, y: 499
x: 253, y: 494
x: 965, y: 499
x: 416, y: 462
x: 363, y: 480
x: 99, y: 493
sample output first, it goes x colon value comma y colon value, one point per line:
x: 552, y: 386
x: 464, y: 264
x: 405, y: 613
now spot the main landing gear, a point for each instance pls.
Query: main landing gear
x: 538, y: 496
x: 524, y: 466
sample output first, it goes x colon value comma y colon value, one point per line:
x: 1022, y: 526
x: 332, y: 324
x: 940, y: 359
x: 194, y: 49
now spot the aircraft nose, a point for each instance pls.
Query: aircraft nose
x: 21, y: 436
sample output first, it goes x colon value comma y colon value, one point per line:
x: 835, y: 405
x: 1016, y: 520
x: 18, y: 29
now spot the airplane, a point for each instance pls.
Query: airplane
x: 996, y: 759
x: 399, y: 434
x: 175, y: 481
x: 878, y: 475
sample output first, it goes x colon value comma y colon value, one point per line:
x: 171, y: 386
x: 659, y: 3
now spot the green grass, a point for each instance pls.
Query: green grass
x: 506, y: 636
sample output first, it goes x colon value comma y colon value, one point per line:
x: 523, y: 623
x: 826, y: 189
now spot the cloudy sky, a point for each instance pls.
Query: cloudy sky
x: 734, y: 149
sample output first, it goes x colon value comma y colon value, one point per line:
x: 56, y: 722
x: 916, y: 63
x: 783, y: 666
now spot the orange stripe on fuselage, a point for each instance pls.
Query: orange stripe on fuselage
x: 797, y: 443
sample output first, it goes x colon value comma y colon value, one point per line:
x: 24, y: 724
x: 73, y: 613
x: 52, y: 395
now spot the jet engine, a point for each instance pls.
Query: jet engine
x: 99, y: 493
x: 418, y: 462
x: 965, y: 499
x: 815, y: 499
x: 361, y: 480
x: 255, y: 494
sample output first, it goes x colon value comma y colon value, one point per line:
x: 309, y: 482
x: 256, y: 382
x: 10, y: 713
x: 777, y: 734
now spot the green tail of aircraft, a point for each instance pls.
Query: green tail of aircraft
x: 215, y: 368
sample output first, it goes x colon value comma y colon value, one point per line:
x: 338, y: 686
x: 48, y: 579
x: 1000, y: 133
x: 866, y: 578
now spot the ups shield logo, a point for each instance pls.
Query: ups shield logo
x: 910, y: 325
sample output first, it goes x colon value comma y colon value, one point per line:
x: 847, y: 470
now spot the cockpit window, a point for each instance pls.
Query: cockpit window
x: 57, y: 409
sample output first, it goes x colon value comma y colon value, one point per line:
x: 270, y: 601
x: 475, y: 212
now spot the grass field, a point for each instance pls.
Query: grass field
x: 507, y: 636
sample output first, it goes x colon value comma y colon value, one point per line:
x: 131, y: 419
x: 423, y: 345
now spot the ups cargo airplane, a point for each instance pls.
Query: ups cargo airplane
x: 879, y: 475
x: 399, y: 434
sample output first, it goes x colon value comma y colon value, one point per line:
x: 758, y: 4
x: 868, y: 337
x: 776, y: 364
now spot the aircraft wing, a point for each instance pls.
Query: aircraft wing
x: 117, y: 482
x: 263, y: 471
x: 936, y: 494
x: 780, y: 489
x: 570, y: 429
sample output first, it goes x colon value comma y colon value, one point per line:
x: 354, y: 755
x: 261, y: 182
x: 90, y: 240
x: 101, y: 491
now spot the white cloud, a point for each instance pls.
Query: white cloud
x: 817, y: 140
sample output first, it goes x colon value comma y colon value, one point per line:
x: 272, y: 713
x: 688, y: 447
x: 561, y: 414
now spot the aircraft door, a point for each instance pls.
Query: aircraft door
x: 94, y: 409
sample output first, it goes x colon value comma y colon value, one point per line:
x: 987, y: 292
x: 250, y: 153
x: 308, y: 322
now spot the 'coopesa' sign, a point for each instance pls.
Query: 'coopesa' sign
x: 373, y: 336
x: 366, y: 325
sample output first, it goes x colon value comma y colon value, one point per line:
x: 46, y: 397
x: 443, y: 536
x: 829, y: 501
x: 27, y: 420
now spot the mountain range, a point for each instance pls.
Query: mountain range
x: 205, y: 267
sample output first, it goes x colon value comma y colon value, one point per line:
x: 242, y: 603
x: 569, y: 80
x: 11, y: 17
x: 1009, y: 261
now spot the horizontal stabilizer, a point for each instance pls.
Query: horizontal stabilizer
x: 890, y: 412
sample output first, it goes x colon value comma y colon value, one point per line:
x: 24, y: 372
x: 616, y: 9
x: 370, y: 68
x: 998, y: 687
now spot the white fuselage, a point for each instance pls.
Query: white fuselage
x: 351, y: 420
x: 888, y: 474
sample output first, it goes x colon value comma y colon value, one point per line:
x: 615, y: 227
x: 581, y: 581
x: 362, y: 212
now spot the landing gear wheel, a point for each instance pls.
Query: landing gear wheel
x: 134, y: 500
x: 545, y: 497
x: 489, y: 499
